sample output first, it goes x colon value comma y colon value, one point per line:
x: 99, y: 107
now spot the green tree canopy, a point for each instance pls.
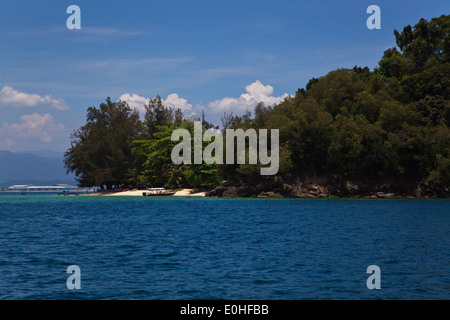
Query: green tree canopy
x: 100, y: 152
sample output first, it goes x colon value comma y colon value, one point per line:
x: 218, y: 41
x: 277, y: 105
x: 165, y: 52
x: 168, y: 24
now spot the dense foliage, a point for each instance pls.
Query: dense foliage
x: 100, y: 153
x: 388, y: 123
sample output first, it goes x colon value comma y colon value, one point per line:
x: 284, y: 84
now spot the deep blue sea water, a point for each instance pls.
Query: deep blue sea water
x: 196, y: 248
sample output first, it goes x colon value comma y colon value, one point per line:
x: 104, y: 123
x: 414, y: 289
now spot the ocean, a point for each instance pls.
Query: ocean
x: 147, y: 248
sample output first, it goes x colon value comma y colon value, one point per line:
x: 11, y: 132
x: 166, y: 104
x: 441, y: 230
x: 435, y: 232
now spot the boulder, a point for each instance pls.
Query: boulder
x: 390, y: 195
x: 230, y: 193
x: 296, y: 193
x: 272, y: 194
x: 277, y: 182
x: 246, y: 191
x: 286, y: 189
x: 262, y: 195
x: 231, y: 183
x: 312, y: 194
x: 211, y: 193
x: 350, y: 186
x: 217, y: 192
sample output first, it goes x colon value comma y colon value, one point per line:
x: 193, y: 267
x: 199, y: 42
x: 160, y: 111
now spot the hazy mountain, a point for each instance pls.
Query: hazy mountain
x: 37, y: 167
x: 44, y: 153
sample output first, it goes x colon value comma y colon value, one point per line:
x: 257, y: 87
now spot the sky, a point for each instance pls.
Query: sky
x: 215, y: 56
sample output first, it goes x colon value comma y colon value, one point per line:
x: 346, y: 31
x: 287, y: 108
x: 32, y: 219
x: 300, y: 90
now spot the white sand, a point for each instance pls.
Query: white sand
x: 138, y: 193
x: 187, y: 193
x: 135, y: 193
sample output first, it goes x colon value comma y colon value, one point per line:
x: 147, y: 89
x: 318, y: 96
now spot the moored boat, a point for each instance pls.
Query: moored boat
x: 158, y: 192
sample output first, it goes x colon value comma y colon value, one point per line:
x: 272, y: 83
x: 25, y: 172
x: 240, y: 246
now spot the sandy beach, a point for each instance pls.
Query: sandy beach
x: 138, y: 193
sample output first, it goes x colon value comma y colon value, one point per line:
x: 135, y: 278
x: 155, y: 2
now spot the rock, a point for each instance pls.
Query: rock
x: 313, y: 188
x: 263, y: 187
x: 211, y: 193
x: 381, y: 195
x: 230, y: 183
x: 246, y: 191
x: 277, y: 182
x: 287, y: 188
x: 311, y: 195
x: 385, y: 187
x: 269, y: 194
x: 296, y: 193
x: 262, y: 195
x: 217, y: 192
x: 351, y: 186
x: 230, y: 193
x: 390, y: 195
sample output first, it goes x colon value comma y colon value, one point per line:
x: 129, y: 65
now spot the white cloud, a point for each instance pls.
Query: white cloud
x: 256, y: 93
x: 109, y: 32
x: 135, y: 102
x: 10, y: 97
x: 173, y: 100
x: 85, y: 34
x: 35, y: 127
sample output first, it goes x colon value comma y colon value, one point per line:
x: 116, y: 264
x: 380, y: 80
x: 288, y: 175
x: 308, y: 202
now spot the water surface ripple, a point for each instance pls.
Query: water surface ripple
x: 188, y: 248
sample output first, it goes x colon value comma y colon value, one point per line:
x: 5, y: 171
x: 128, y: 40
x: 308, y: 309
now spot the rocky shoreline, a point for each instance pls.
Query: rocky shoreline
x: 325, y: 187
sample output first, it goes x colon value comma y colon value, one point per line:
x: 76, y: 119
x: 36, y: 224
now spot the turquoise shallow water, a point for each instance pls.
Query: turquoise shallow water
x: 195, y: 248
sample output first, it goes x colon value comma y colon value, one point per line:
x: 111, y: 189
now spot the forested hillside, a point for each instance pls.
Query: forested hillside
x: 386, y: 129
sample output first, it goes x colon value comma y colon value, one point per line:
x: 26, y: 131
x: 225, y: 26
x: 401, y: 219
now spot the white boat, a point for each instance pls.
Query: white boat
x: 158, y: 192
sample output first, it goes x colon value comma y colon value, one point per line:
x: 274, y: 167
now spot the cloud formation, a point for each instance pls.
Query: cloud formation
x: 255, y: 93
x: 10, y: 97
x: 173, y: 100
x: 135, y: 102
x: 176, y: 102
x: 35, y: 126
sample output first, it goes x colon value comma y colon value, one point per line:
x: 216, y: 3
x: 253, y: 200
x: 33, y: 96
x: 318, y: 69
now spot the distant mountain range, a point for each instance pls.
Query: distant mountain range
x: 44, y: 167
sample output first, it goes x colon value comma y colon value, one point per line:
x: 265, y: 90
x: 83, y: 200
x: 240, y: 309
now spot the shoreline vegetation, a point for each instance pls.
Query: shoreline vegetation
x: 278, y: 188
x: 381, y: 133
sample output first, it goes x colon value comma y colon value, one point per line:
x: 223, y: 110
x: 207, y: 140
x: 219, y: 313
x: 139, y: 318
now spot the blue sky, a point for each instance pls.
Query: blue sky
x: 219, y: 56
